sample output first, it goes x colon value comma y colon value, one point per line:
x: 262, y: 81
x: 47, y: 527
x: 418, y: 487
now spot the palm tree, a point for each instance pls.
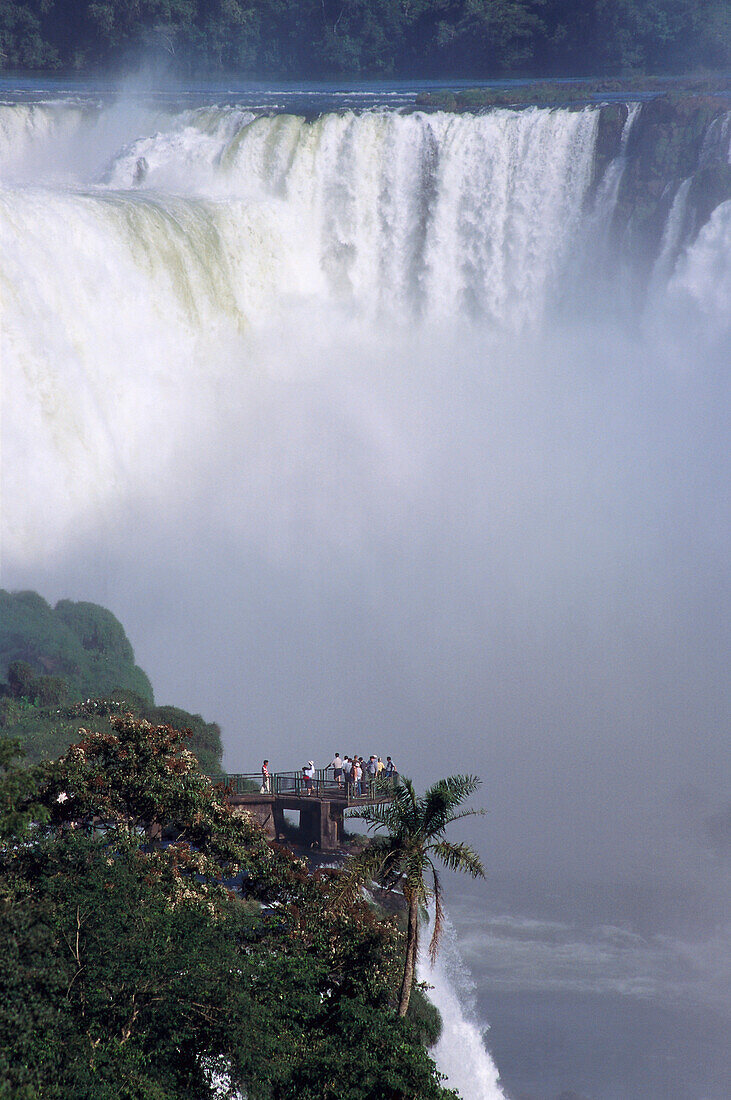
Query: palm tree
x: 404, y: 856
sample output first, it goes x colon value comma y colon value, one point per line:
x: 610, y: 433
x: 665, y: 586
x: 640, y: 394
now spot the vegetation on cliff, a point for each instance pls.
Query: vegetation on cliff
x: 53, y: 659
x: 321, y: 37
x: 134, y: 968
x: 562, y: 93
x: 82, y: 644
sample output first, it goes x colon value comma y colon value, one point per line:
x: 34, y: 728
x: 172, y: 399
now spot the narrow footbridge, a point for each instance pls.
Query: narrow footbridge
x: 320, y: 803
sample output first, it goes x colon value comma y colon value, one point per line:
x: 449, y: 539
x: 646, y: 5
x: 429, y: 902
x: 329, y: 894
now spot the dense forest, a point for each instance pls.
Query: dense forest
x: 319, y: 38
x: 206, y: 964
x: 54, y: 659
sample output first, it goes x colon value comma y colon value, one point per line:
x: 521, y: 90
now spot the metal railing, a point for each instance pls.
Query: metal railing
x: 297, y: 785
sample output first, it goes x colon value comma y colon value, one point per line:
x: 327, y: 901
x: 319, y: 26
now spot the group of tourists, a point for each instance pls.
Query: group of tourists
x: 356, y: 775
x: 359, y: 776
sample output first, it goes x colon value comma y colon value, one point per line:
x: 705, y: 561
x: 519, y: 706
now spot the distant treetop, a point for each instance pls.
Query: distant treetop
x: 315, y: 38
x: 82, y: 643
x: 54, y: 658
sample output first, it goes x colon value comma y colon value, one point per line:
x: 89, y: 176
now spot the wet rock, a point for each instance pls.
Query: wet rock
x: 665, y: 148
x: 612, y: 119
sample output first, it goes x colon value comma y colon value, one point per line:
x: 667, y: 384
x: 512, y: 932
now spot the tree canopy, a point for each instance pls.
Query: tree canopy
x: 54, y: 660
x: 314, y: 38
x: 410, y: 839
x: 135, y: 968
x: 81, y: 643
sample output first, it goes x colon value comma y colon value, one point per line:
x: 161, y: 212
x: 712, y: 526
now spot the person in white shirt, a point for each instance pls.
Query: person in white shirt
x: 337, y: 766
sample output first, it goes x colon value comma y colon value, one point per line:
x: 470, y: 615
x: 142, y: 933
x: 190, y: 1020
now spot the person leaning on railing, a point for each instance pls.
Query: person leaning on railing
x: 337, y: 766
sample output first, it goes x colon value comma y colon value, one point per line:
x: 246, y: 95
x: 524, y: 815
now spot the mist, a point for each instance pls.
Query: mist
x: 497, y: 557
x: 495, y: 546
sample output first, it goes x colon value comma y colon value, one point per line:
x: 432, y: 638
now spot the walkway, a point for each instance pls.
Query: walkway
x: 320, y: 810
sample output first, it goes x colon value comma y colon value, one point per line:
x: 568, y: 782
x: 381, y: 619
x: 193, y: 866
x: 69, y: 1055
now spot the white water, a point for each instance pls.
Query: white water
x: 461, y: 1051
x: 701, y: 281
x: 115, y: 292
x: 608, y: 190
x: 390, y: 214
x: 118, y: 284
x: 671, y: 239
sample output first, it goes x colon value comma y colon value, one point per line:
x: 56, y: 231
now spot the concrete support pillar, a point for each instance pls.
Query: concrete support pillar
x: 278, y: 815
x: 331, y: 826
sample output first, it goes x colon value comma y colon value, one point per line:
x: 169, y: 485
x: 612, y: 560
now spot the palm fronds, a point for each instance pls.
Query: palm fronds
x: 459, y: 857
x: 409, y: 833
x: 438, y: 917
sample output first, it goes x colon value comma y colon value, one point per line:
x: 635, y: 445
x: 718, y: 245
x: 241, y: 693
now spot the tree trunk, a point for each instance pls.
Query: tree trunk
x: 412, y: 941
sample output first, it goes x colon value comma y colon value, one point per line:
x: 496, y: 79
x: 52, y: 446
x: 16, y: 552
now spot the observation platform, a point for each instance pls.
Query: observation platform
x: 320, y: 806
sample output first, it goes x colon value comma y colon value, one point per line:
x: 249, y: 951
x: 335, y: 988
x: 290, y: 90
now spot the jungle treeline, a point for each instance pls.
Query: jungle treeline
x: 60, y: 664
x: 320, y: 38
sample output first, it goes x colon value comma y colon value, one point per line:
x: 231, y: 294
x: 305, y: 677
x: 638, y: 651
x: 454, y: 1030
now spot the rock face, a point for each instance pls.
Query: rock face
x: 612, y: 120
x: 673, y: 138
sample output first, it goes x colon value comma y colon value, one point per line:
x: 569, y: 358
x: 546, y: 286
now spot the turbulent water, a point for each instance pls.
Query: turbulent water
x: 168, y: 250
x: 367, y: 428
x: 460, y: 1051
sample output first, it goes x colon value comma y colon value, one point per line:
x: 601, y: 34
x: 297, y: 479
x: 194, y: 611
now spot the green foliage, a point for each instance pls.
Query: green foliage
x: 46, y: 732
x: 130, y: 970
x: 205, y: 737
x: 81, y: 642
x: 115, y: 979
x: 58, y: 658
x: 424, y: 1016
x: 299, y: 38
x: 18, y: 792
x: 20, y: 679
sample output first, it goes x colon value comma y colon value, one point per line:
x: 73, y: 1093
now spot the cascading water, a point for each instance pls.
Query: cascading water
x: 433, y: 214
x: 672, y: 238
x: 187, y: 239
x: 460, y: 1052
x: 606, y: 198
x: 717, y: 141
x: 699, y: 287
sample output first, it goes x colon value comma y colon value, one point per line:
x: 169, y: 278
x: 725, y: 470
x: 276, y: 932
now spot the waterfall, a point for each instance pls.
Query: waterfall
x: 420, y: 213
x: 26, y: 127
x: 606, y: 197
x: 696, y: 306
x: 427, y: 214
x: 716, y: 147
x: 672, y: 238
x: 460, y: 1052
x: 335, y: 412
x: 138, y: 269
